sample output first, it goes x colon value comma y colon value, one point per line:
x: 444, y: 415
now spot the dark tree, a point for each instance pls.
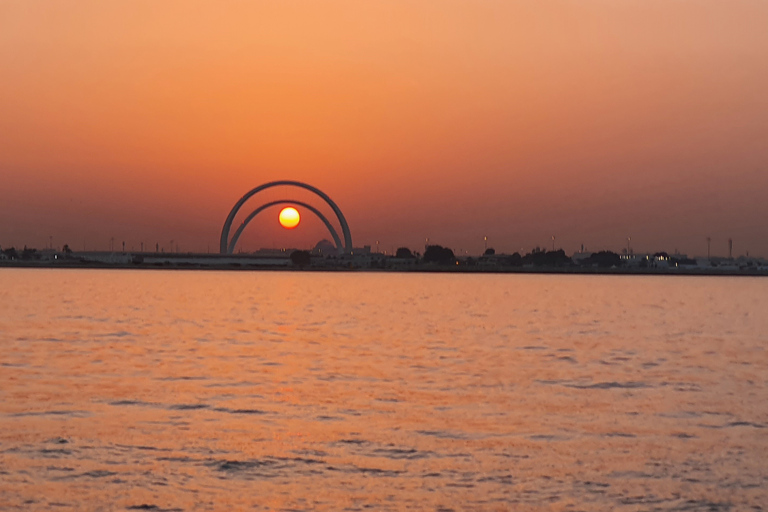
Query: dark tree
x: 490, y: 251
x: 403, y: 252
x: 66, y: 249
x: 604, y: 259
x: 301, y: 258
x: 514, y: 260
x: 542, y: 258
x: 11, y: 253
x: 440, y: 255
x: 29, y: 254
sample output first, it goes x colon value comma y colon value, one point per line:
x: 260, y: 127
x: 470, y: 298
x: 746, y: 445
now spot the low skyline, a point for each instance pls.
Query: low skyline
x: 173, y: 246
x: 592, y: 121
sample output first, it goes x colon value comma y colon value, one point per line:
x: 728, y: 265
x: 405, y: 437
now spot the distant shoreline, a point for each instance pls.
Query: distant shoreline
x: 421, y: 268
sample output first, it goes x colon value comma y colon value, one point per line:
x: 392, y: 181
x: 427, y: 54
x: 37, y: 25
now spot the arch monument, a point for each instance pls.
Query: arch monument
x: 227, y: 246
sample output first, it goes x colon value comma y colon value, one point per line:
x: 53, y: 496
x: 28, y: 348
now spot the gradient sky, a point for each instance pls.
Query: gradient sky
x: 590, y: 120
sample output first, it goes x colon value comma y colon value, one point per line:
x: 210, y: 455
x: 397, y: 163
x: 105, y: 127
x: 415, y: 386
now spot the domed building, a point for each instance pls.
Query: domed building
x: 324, y: 248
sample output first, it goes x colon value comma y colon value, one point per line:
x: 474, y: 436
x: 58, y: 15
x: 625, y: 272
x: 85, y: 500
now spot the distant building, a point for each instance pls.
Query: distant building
x: 364, y: 250
x: 634, y: 260
x: 47, y: 254
x: 325, y: 248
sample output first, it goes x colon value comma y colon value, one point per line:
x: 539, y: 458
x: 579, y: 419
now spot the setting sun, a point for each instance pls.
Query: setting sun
x: 289, y: 217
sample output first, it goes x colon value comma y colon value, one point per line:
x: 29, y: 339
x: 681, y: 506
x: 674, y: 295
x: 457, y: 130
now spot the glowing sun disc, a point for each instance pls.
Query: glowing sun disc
x: 289, y: 217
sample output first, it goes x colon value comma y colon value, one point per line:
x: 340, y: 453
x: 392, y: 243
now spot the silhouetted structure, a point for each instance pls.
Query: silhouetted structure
x: 301, y: 258
x: 29, y: 254
x: 439, y: 254
x: 249, y: 218
x: 224, y: 245
x: 603, y: 259
x: 541, y: 258
x: 11, y: 253
x: 513, y: 260
x: 403, y: 252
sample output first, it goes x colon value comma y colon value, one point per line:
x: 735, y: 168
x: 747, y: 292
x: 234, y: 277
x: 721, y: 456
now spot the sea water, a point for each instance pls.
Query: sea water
x: 202, y: 390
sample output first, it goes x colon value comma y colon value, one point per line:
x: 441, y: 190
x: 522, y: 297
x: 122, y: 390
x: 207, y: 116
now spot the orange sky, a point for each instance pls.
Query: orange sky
x: 588, y: 120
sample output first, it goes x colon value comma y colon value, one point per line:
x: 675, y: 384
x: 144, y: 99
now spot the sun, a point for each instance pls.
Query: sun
x: 289, y: 217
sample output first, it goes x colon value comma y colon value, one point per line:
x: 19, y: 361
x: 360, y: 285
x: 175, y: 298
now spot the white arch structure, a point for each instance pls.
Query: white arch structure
x: 227, y: 247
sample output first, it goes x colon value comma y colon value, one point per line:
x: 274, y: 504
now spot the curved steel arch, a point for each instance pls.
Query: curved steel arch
x: 224, y: 246
x: 249, y: 218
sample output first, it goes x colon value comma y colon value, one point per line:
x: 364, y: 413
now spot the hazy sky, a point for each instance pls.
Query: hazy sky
x: 588, y: 120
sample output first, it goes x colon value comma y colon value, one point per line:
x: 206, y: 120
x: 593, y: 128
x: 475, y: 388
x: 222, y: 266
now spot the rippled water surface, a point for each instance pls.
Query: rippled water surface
x: 161, y: 390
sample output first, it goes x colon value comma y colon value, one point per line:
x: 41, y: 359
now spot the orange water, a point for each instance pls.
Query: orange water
x: 160, y: 390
